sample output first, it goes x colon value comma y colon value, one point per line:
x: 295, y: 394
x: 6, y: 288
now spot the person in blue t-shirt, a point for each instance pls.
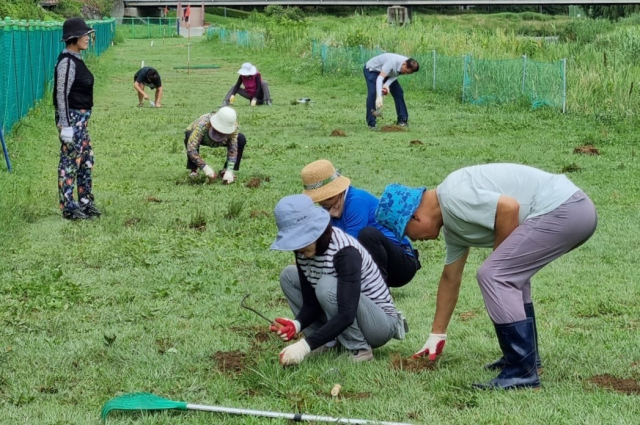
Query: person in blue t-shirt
x: 353, y: 211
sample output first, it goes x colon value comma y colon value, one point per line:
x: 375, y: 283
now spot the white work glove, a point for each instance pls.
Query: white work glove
x: 208, y: 171
x: 379, y: 102
x: 228, y: 177
x: 294, y: 353
x: 232, y: 98
x: 433, y: 347
x: 66, y: 134
x: 254, y: 102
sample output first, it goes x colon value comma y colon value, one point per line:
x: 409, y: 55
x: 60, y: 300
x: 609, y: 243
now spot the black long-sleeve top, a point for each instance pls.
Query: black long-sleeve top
x: 73, y: 86
x: 348, y: 265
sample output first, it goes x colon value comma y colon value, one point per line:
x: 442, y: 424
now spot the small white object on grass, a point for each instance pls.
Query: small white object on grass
x: 152, y: 103
x: 151, y: 43
x: 142, y: 66
x: 335, y: 391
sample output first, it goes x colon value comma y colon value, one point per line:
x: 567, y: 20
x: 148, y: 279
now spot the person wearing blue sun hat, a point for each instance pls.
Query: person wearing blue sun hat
x: 335, y: 290
x: 528, y: 216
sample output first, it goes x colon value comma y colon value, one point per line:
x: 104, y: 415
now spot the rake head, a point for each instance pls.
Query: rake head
x: 140, y: 401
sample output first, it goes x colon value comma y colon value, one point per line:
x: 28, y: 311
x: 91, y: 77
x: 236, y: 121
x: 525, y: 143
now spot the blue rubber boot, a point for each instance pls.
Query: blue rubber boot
x: 518, y: 344
x: 499, y: 364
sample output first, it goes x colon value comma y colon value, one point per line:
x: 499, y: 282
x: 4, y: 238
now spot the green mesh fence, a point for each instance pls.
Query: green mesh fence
x: 149, y: 27
x: 29, y: 51
x: 477, y: 81
x: 249, y: 39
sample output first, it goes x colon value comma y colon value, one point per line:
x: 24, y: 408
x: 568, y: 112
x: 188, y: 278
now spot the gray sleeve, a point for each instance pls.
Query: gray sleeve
x: 66, y: 75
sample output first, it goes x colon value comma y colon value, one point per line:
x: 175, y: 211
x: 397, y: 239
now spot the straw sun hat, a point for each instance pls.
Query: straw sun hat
x: 322, y: 181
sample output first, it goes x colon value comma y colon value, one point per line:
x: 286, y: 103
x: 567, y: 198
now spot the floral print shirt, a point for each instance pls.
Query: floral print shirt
x: 200, y: 135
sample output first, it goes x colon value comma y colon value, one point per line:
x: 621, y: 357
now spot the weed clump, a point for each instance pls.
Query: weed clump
x: 571, y: 168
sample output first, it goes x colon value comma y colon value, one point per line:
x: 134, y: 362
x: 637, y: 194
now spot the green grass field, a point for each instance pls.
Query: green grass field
x: 147, y: 298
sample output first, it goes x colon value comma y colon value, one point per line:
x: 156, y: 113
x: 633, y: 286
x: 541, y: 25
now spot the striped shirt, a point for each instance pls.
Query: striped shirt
x: 372, y: 284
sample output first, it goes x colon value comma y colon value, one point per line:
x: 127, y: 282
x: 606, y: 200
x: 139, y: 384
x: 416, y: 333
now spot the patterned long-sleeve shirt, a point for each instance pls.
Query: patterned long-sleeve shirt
x: 200, y: 135
x: 73, y: 86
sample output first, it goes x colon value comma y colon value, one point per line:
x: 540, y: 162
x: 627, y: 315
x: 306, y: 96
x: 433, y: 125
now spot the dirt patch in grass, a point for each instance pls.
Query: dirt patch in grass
x: 587, y: 150
x: 621, y: 385
x: 229, y: 361
x: 154, y: 199
x: 392, y: 129
x: 410, y: 364
x: 259, y: 334
x: 571, y: 168
x: 131, y: 222
x: 258, y: 214
x: 416, y: 142
x: 338, y: 133
x: 164, y: 345
x: 256, y: 181
x: 467, y: 315
x: 198, y: 226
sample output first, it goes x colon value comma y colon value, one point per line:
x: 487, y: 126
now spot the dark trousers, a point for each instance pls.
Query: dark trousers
x: 242, y: 141
x: 395, y: 90
x: 396, y: 265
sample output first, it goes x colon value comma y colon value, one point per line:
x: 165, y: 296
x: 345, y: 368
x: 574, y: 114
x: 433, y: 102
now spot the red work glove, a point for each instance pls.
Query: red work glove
x: 433, y: 347
x: 285, y: 328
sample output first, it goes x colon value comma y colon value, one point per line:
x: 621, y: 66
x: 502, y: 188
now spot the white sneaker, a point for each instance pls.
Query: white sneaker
x: 401, y: 328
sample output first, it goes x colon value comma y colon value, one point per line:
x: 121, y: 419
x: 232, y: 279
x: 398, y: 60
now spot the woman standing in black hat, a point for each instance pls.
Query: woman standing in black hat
x: 73, y: 100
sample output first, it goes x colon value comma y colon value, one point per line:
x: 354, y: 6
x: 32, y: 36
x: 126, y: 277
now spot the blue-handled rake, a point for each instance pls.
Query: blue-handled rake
x: 147, y: 401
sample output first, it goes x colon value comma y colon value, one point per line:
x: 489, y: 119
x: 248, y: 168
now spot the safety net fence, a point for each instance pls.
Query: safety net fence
x: 29, y: 52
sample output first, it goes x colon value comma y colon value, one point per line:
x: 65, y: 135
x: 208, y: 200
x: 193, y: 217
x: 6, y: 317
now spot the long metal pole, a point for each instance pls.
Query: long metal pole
x: 296, y: 417
x: 433, y: 53
x: 524, y: 71
x: 564, y: 85
x: 4, y: 149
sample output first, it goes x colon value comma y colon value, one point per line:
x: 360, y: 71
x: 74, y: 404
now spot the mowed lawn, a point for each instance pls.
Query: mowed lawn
x: 147, y: 298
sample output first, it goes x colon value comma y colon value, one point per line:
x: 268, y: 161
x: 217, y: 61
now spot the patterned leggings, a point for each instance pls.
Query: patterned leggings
x: 76, y: 162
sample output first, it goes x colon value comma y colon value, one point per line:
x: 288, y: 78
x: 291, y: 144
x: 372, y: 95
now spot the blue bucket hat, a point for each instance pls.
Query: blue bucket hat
x: 299, y: 221
x: 397, y: 205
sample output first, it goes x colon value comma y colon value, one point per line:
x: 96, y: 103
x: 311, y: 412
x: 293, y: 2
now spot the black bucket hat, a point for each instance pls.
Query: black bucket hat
x: 75, y: 28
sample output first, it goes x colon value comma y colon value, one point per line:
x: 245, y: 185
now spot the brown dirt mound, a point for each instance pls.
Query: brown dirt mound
x: 258, y: 213
x: 338, y: 133
x: 621, y: 385
x: 391, y: 129
x: 411, y: 365
x: 416, y: 142
x: 154, y: 199
x: 587, y: 150
x: 229, y: 361
x: 256, y: 182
